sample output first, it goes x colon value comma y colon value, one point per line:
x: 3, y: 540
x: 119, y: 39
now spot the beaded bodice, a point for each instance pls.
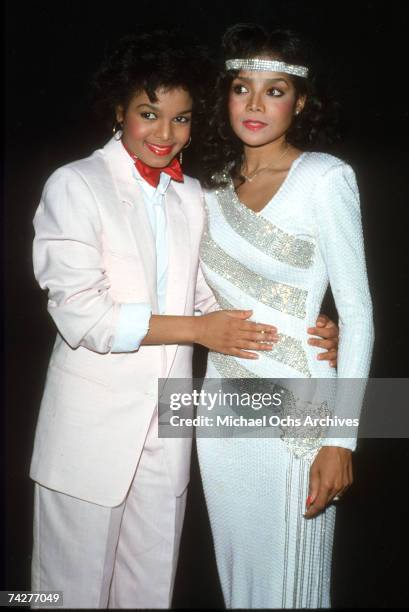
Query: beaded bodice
x: 279, y: 262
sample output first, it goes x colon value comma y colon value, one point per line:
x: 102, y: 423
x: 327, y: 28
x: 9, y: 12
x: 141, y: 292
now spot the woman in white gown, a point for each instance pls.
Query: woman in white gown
x: 282, y: 224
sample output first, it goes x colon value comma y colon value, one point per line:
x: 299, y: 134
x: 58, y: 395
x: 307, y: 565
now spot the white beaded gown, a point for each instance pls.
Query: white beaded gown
x: 278, y: 262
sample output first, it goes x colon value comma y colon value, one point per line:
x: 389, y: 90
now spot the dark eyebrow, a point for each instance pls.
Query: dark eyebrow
x: 271, y: 80
x: 152, y: 106
x: 157, y: 108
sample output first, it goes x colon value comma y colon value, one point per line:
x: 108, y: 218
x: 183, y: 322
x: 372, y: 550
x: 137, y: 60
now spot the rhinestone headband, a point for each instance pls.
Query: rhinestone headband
x: 267, y: 65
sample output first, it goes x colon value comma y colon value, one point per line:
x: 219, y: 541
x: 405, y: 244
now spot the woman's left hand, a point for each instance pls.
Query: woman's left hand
x: 328, y: 333
x: 330, y: 476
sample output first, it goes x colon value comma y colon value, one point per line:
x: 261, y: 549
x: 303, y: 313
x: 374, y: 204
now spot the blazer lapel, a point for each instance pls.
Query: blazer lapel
x: 131, y: 198
x: 140, y: 226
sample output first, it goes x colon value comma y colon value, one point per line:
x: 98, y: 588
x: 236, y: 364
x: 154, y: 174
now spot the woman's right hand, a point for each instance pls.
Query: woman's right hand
x: 229, y: 332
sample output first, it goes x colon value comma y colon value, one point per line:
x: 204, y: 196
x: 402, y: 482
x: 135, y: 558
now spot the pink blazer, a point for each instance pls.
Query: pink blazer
x: 94, y: 250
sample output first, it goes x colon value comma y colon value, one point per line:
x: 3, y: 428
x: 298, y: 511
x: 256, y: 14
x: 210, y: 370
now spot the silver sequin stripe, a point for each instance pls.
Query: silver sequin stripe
x: 287, y: 350
x: 261, y: 233
x: 228, y: 367
x: 285, y: 298
x: 300, y: 445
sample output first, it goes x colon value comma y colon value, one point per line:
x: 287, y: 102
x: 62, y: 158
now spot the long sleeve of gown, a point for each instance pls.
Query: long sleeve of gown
x: 340, y: 237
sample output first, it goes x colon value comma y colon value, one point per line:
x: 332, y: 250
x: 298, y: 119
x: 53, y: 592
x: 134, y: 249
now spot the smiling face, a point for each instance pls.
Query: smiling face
x: 156, y: 131
x: 262, y: 106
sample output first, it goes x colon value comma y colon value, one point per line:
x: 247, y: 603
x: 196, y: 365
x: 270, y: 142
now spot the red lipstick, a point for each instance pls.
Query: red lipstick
x: 254, y: 126
x: 161, y: 150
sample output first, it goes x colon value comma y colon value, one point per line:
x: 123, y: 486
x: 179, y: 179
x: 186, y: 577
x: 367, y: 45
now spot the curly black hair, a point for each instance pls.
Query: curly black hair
x: 317, y: 124
x: 148, y: 61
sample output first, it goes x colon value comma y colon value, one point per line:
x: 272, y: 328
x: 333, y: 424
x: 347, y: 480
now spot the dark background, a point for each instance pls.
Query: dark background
x: 52, y: 50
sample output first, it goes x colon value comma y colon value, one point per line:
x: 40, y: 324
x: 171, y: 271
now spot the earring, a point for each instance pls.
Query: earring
x: 185, y: 147
x: 117, y: 127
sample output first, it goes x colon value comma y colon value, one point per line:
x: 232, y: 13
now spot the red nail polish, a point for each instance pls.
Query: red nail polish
x: 308, y: 501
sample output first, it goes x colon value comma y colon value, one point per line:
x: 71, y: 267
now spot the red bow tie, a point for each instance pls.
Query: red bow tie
x: 152, y: 175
